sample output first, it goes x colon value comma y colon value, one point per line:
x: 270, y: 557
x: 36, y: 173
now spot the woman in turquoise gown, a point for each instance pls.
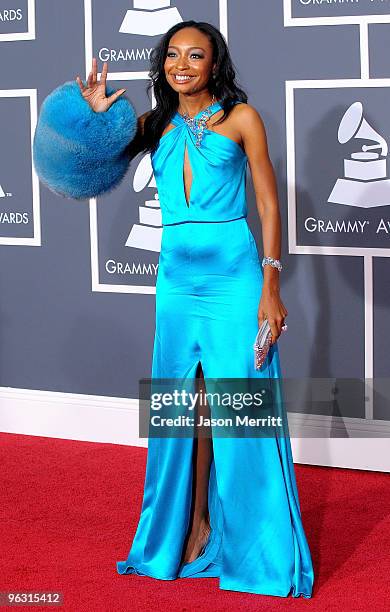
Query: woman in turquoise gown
x: 208, y: 289
x: 209, y: 285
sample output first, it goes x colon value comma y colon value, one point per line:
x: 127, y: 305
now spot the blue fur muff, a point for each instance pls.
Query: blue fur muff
x: 78, y: 153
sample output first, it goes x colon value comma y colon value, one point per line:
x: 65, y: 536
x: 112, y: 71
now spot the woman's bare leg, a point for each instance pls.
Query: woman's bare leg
x: 199, y: 528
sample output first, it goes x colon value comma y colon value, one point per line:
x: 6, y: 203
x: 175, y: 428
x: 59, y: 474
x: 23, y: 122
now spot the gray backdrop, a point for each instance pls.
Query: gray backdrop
x: 62, y: 332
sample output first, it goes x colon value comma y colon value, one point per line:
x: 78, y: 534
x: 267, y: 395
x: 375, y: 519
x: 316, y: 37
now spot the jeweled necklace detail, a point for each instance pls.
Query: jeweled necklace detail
x: 197, y: 126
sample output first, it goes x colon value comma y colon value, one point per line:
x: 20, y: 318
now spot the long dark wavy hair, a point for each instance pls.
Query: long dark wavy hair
x: 223, y: 86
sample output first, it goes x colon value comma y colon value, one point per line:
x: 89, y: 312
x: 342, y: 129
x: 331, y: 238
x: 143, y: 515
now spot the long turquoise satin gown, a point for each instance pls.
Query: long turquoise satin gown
x: 208, y: 290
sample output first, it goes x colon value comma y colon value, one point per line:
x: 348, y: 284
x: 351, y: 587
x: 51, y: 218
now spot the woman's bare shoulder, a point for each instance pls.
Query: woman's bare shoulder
x: 246, y: 111
x: 249, y: 124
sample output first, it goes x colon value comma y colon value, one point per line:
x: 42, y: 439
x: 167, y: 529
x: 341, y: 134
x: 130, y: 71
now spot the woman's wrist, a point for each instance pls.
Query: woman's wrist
x: 271, y: 278
x: 271, y: 287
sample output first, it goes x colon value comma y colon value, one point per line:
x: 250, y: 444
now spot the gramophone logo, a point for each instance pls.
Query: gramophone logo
x: 365, y: 183
x: 2, y: 192
x: 150, y: 17
x: 148, y: 232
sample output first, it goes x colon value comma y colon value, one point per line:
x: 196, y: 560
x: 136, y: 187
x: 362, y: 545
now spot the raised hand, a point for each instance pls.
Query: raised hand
x: 95, y: 91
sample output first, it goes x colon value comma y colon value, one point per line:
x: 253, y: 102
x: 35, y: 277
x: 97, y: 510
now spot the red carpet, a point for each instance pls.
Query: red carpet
x: 69, y: 511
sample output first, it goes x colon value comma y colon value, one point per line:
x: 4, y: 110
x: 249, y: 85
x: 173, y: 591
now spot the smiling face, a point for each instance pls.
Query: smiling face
x: 189, y: 61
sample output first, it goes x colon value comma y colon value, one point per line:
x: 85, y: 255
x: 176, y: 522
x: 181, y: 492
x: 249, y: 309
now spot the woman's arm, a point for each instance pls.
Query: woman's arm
x: 254, y: 139
x: 137, y: 145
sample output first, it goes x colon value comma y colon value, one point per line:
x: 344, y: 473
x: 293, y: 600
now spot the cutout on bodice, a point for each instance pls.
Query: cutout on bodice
x: 187, y: 175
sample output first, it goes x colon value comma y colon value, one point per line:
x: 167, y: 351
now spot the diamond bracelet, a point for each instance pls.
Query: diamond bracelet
x: 272, y: 262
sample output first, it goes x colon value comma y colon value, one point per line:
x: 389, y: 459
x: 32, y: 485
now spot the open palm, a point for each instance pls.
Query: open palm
x: 95, y: 91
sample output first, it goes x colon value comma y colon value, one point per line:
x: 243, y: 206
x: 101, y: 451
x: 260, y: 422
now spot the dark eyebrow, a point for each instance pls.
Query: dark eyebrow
x: 174, y: 47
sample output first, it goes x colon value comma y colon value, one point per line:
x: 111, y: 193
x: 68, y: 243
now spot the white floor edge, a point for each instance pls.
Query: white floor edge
x: 115, y: 420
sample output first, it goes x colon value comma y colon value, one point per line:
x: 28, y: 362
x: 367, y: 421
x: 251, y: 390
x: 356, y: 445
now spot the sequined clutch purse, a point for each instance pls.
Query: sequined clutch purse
x: 262, y: 343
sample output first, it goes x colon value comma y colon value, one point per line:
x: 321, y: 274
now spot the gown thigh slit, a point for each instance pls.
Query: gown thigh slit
x: 202, y: 457
x: 208, y: 290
